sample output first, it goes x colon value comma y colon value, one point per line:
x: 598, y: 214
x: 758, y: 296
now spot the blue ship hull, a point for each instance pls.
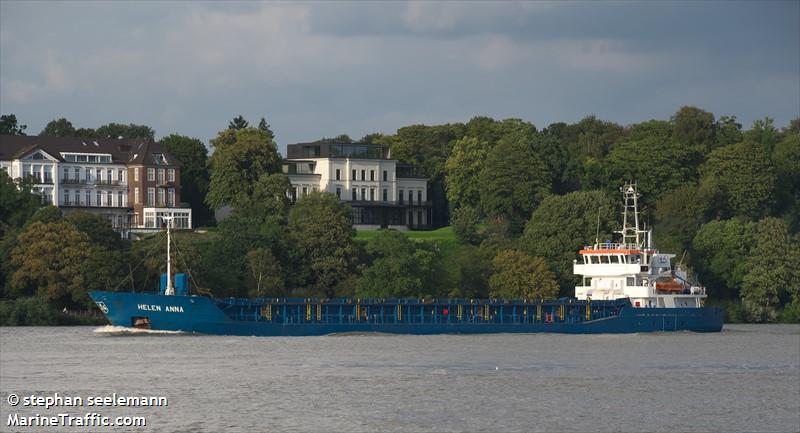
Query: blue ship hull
x: 310, y: 317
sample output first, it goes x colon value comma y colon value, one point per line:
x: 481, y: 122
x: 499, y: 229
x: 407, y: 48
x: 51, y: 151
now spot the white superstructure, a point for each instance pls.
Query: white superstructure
x: 633, y: 268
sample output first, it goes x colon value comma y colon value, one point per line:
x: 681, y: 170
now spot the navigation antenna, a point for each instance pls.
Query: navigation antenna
x: 630, y: 235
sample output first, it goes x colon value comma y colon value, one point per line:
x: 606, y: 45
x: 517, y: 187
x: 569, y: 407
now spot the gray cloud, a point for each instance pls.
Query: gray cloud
x: 317, y: 69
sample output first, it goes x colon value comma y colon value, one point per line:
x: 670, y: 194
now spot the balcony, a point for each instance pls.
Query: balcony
x: 36, y: 180
x: 74, y: 203
x: 104, y: 182
x: 71, y: 181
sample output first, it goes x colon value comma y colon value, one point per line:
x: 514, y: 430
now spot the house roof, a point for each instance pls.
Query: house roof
x: 122, y: 151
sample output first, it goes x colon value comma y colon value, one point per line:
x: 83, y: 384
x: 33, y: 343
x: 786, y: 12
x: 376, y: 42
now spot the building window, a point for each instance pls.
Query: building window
x: 151, y: 196
x: 400, y: 196
x: 66, y: 174
x: 171, y: 175
x: 109, y: 175
x: 151, y: 174
x: 136, y: 174
x: 354, y: 175
x: 419, y: 218
x: 372, y: 194
x: 109, y: 198
x: 372, y: 175
x: 354, y: 194
x: 385, y: 176
x: 77, y: 173
x: 385, y: 194
x: 99, y: 174
x: 161, y: 197
x: 119, y: 199
x: 363, y: 193
x: 88, y: 198
x: 136, y: 195
x: 305, y: 191
x: 411, y: 197
x: 419, y: 196
x: 160, y: 176
x: 99, y: 197
x: 363, y: 174
x: 77, y: 197
x: 338, y: 192
x: 66, y: 197
x: 338, y: 174
x: 171, y: 196
x: 120, y: 176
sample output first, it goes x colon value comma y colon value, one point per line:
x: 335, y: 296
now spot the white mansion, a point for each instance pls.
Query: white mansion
x: 381, y: 192
x: 133, y: 182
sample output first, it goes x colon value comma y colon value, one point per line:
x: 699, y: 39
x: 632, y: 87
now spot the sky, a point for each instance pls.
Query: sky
x: 323, y: 69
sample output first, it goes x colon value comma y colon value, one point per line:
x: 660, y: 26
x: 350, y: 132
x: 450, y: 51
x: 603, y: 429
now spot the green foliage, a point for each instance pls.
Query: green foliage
x: 96, y: 227
x: 720, y: 250
x: 516, y: 275
x: 729, y: 131
x: 240, y: 157
x: 772, y: 271
x: 266, y: 272
x: 474, y: 266
x: 30, y: 311
x: 656, y: 163
x: 238, y: 122
x: 321, y: 231
x: 742, y: 179
x: 264, y: 126
x: 563, y: 225
x: 694, y: 127
x: 786, y: 159
x: 464, y: 221
x: 119, y: 130
x: 679, y: 213
x: 763, y: 132
x: 195, y: 178
x: 47, y: 214
x: 514, y: 181
x: 17, y: 202
x: 9, y: 125
x: 464, y: 165
x: 47, y: 261
x: 58, y: 128
x: 400, y: 267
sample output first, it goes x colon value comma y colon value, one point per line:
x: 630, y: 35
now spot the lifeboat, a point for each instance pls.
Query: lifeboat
x: 671, y: 286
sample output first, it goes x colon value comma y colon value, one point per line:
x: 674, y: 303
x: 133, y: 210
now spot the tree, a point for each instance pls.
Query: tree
x: 694, y: 127
x: 269, y: 196
x: 45, y: 215
x: 9, y: 125
x: 240, y: 157
x: 47, y: 261
x: 195, y: 178
x: 17, y: 200
x: 729, y: 131
x: 656, y: 163
x: 266, y: 272
x: 678, y: 216
x: 464, y: 221
x: 264, y: 126
x: 772, y: 270
x: 514, y: 181
x: 463, y: 166
x: 763, y: 132
x: 517, y: 275
x: 238, y: 123
x: 119, y: 130
x: 563, y: 225
x: 742, y: 180
x: 97, y: 228
x: 321, y: 232
x: 719, y: 251
x: 786, y: 159
x: 400, y: 267
x: 58, y: 128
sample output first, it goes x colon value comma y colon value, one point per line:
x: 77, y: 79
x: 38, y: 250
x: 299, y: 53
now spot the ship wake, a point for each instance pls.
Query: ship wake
x: 122, y: 330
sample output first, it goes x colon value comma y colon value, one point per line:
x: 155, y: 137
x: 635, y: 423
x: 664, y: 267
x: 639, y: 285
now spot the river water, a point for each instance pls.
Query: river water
x: 746, y: 378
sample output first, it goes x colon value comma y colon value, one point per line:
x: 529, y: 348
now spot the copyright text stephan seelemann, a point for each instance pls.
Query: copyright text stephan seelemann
x: 56, y: 402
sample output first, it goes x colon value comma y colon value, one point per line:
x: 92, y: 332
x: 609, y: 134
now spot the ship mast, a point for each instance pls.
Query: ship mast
x: 169, y: 291
x: 630, y: 234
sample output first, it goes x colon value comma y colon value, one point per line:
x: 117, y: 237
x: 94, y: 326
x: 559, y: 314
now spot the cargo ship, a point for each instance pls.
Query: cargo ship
x: 627, y: 287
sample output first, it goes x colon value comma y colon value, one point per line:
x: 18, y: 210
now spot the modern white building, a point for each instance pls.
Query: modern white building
x: 98, y: 176
x: 381, y: 192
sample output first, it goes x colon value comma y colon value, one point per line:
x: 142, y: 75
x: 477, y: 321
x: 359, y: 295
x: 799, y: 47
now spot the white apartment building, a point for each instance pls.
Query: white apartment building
x: 89, y: 175
x: 381, y: 192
